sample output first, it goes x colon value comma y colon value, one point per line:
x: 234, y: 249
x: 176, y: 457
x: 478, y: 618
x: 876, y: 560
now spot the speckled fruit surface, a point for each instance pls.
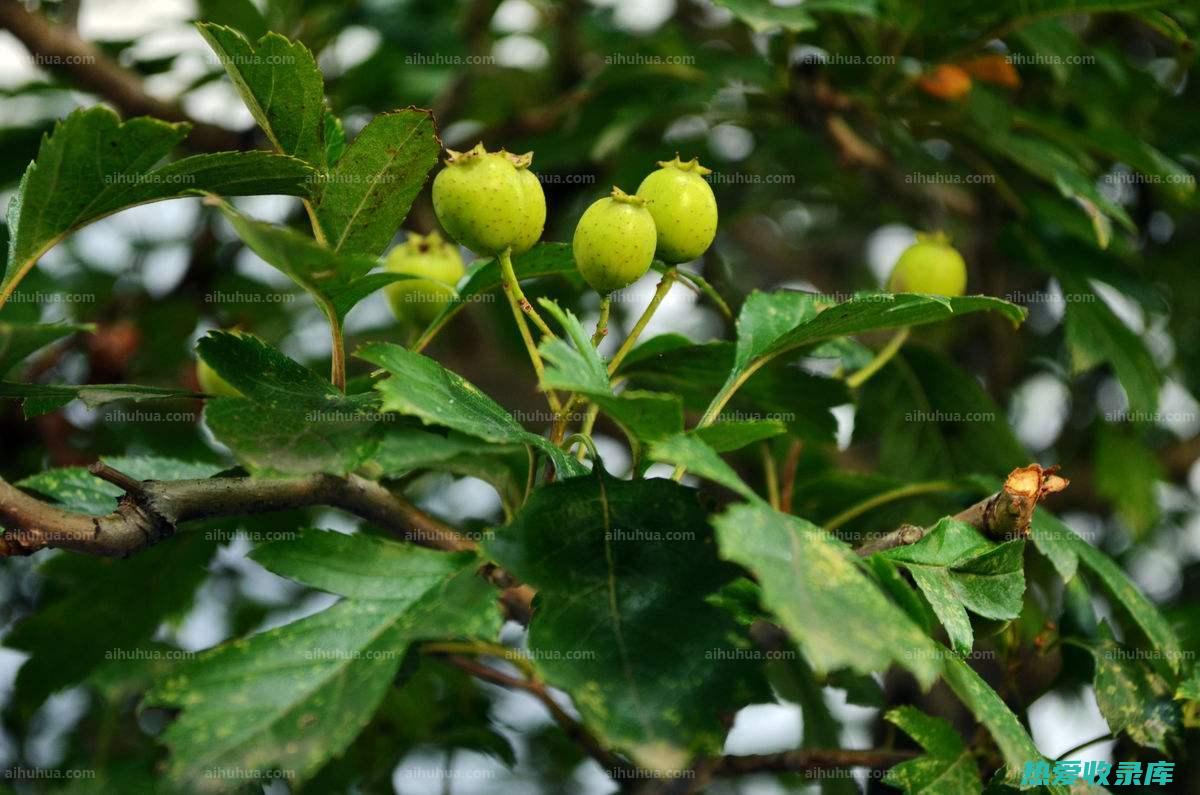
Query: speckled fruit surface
x: 490, y: 201
x: 684, y: 209
x: 614, y: 242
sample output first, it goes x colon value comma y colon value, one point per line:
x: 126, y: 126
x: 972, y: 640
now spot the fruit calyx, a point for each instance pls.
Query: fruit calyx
x: 686, y: 165
x: 621, y: 196
x: 520, y: 161
x: 454, y: 158
x: 937, y: 236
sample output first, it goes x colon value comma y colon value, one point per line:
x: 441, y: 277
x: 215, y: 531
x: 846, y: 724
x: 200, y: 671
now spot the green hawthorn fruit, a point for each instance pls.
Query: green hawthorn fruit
x: 439, y: 265
x: 614, y: 242
x: 490, y: 201
x: 684, y: 209
x: 930, y: 266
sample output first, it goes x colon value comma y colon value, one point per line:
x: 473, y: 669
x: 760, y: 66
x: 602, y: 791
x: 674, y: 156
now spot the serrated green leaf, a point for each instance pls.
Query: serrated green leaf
x: 358, y: 566
x: 958, y: 570
x: 725, y: 437
x: 867, y: 312
x: 371, y: 188
x: 293, y: 697
x: 947, y: 768
x: 505, y: 466
x: 337, y: 282
x: 574, y: 366
x: 278, y: 440
x: 989, y: 709
x: 690, y: 452
x: 264, y: 375
x: 239, y: 14
x: 813, y: 584
x: 422, y: 388
x: 93, y: 165
x: 280, y: 83
x: 92, y: 608
x: 615, y: 564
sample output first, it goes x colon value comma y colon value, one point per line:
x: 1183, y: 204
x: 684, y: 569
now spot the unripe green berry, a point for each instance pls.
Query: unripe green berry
x: 684, y: 209
x: 614, y: 242
x: 490, y: 201
x: 439, y: 265
x: 930, y: 266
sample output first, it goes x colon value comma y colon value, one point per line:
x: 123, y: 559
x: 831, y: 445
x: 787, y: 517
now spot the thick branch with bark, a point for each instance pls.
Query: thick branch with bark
x: 94, y: 71
x: 152, y: 510
x: 1004, y: 515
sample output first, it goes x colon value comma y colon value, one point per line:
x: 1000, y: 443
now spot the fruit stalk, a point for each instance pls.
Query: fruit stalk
x: 516, y: 299
x: 602, y: 322
x: 513, y: 287
x: 664, y: 286
x: 876, y: 364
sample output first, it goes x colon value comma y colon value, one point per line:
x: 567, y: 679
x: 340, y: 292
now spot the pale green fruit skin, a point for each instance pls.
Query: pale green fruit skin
x: 213, y: 384
x: 614, y: 244
x: 684, y: 210
x: 439, y: 264
x: 488, y: 204
x: 931, y: 267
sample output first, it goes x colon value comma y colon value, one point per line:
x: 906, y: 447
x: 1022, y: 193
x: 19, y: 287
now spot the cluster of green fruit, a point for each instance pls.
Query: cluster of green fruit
x: 490, y: 202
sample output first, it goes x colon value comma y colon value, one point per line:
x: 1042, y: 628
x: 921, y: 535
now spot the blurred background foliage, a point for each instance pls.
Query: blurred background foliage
x: 1062, y: 168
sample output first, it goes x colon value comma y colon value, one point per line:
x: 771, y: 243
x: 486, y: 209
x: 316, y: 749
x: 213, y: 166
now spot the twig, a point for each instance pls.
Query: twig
x: 574, y: 730
x: 1004, y: 515
x: 790, y: 464
x: 152, y: 510
x: 94, y: 71
x: 118, y: 478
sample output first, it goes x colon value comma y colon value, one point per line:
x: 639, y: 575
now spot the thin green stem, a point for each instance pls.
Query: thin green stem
x: 883, y: 498
x: 510, y: 289
x: 514, y: 286
x: 476, y: 648
x: 602, y: 322
x: 718, y: 402
x: 430, y: 332
x: 589, y: 422
x: 664, y: 287
x: 771, y: 475
x: 883, y: 357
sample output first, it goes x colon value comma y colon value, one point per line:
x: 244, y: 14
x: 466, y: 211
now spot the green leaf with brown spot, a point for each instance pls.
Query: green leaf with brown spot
x: 292, y: 698
x: 1133, y: 696
x: 814, y: 585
